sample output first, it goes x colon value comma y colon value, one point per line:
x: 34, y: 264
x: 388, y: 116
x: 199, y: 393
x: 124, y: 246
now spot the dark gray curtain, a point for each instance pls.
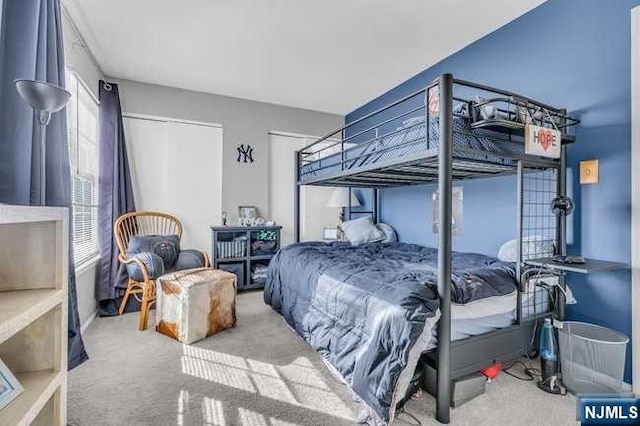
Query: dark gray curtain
x: 115, y: 196
x: 31, y: 47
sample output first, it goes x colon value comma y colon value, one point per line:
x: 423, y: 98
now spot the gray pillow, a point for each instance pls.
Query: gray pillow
x: 152, y: 262
x: 165, y: 246
x: 487, y: 111
x: 361, y: 231
x: 189, y: 259
x: 390, y: 235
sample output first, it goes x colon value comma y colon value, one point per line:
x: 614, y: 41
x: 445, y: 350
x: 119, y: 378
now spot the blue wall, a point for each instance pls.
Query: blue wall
x: 410, y: 211
x: 570, y: 53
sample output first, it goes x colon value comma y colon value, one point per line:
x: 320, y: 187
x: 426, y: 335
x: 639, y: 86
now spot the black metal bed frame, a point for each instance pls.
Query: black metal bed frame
x: 444, y: 160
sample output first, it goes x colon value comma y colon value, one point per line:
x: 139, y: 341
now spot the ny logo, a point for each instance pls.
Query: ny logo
x: 245, y: 154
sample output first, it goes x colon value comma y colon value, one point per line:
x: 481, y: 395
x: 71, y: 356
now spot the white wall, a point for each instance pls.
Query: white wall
x: 244, y: 122
x: 85, y: 288
x: 77, y: 55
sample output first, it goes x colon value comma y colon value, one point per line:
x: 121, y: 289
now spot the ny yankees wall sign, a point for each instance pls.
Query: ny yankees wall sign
x: 245, y: 154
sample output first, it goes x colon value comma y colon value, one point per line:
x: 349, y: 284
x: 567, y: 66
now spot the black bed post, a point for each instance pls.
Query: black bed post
x: 443, y: 398
x: 296, y: 198
x: 561, y: 229
x: 374, y: 201
x: 561, y: 225
x: 519, y: 221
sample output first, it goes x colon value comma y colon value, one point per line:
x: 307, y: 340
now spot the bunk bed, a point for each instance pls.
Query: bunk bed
x: 450, y: 130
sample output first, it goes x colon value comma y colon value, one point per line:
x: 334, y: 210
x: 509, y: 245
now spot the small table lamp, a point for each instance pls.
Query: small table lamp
x: 340, y: 199
x: 45, y: 99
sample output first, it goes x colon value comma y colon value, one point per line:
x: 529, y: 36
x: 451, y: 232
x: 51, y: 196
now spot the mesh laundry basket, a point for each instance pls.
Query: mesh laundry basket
x: 592, y: 358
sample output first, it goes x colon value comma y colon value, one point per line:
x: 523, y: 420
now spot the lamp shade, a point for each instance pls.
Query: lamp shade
x: 340, y: 198
x: 42, y: 96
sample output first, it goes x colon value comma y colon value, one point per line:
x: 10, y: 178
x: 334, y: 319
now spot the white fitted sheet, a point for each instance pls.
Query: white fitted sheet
x: 485, y: 315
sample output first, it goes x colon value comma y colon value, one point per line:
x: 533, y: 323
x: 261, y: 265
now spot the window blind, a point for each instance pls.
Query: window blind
x: 82, y: 122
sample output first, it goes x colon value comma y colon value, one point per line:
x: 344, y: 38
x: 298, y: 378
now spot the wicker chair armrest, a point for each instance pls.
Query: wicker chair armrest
x: 207, y: 263
x: 137, y: 261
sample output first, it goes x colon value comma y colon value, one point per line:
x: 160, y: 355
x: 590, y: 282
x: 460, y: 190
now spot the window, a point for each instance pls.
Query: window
x: 82, y: 118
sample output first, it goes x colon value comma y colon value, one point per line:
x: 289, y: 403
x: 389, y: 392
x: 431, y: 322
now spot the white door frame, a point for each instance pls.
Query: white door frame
x: 169, y: 119
x: 635, y: 194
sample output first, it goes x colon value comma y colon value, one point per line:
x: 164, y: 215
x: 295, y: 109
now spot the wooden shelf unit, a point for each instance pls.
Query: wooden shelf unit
x: 33, y: 311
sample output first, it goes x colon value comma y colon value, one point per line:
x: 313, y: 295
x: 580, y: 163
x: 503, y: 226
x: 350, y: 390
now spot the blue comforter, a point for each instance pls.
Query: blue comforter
x: 369, y: 309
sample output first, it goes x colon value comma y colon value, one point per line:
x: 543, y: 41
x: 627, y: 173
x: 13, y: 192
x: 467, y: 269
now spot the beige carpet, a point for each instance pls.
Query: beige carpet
x: 259, y: 373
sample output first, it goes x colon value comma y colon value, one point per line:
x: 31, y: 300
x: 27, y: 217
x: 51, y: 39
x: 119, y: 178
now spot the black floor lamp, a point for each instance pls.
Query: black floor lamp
x: 45, y: 99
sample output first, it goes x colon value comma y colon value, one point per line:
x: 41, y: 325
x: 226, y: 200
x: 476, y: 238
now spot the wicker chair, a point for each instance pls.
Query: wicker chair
x: 140, y: 224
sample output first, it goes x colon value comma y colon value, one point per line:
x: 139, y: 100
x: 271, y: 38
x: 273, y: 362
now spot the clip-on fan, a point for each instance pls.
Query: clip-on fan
x: 564, y: 206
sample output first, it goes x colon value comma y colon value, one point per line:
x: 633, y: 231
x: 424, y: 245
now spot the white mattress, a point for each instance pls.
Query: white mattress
x: 485, y: 315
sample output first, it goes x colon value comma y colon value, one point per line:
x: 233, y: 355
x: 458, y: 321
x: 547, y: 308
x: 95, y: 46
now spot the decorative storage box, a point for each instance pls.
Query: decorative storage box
x: 195, y: 303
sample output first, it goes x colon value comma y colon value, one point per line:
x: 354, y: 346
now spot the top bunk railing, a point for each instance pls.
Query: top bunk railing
x: 489, y: 126
x: 342, y: 130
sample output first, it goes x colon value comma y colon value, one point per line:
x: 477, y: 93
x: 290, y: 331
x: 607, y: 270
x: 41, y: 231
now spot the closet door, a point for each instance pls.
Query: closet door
x: 314, y: 215
x: 194, y: 173
x: 176, y: 168
x: 147, y: 152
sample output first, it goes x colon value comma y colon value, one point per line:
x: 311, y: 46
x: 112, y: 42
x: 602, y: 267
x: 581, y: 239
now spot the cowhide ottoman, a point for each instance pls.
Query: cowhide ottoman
x: 195, y: 303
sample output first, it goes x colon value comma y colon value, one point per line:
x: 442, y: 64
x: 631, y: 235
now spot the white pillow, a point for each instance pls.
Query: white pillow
x: 508, y: 251
x: 361, y: 231
x: 487, y: 111
x: 390, y: 235
x: 533, y: 244
x: 411, y: 121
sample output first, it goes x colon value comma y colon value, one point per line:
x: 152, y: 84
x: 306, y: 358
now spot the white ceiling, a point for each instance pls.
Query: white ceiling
x: 326, y: 55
